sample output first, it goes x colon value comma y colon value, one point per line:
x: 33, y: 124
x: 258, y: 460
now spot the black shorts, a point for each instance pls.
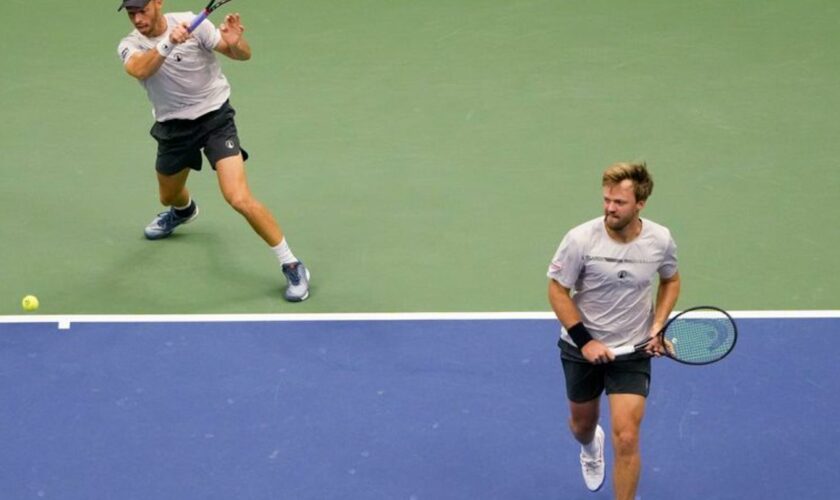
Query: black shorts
x: 585, y: 381
x: 180, y: 141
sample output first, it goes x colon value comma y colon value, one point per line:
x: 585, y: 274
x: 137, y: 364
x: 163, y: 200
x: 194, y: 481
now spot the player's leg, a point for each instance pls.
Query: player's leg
x: 234, y: 185
x: 173, y: 189
x: 225, y: 154
x: 177, y: 153
x: 583, y: 419
x: 627, y: 384
x: 627, y: 411
x: 584, y: 385
x: 173, y: 193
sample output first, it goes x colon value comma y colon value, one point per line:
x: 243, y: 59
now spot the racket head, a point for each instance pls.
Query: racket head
x: 700, y: 335
x: 214, y: 4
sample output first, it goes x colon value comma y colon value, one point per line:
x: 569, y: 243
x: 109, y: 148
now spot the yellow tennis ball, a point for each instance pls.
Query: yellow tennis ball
x: 29, y: 303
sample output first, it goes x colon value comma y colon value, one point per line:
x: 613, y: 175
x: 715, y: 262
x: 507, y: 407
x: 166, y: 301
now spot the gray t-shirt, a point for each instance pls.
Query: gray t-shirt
x: 612, y: 282
x: 190, y: 83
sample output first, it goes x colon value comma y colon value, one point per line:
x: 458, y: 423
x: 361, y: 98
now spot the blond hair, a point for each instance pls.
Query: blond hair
x: 634, y: 171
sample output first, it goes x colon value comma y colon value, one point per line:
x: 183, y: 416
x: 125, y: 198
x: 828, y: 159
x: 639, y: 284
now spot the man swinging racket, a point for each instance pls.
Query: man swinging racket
x: 189, y: 93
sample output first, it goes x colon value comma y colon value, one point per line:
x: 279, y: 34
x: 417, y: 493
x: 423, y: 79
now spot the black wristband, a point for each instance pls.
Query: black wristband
x: 580, y: 335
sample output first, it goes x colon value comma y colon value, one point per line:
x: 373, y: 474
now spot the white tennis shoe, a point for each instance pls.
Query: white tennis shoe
x: 593, y: 468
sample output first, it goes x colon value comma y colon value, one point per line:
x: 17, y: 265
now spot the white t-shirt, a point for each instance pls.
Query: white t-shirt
x: 612, y: 282
x: 190, y: 83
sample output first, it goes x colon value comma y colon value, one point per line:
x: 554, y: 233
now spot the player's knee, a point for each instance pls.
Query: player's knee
x: 626, y: 441
x: 242, y: 203
x: 582, y: 426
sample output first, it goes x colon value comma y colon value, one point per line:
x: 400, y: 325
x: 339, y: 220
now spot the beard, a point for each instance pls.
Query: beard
x: 618, y: 223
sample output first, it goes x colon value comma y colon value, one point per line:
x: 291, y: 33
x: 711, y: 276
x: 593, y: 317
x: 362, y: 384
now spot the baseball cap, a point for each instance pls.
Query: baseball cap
x: 138, y: 4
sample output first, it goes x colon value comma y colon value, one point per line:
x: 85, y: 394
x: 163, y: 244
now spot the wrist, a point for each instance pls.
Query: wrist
x: 165, y: 47
x: 238, y: 47
x: 580, y: 335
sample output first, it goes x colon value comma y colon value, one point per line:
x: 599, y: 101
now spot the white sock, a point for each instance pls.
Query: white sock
x: 284, y: 253
x: 592, y: 449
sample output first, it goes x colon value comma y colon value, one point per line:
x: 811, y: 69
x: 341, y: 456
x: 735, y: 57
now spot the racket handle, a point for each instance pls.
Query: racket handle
x: 625, y: 349
x: 198, y: 20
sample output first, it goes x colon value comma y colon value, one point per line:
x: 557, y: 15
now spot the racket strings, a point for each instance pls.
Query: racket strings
x: 700, y: 340
x: 215, y: 4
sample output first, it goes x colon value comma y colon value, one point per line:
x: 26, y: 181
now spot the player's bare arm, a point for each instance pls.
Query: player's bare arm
x: 567, y: 312
x: 666, y: 298
x: 233, y: 43
x: 143, y: 65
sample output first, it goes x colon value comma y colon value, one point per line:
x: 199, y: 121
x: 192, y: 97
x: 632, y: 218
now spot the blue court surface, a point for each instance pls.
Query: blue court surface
x: 394, y: 409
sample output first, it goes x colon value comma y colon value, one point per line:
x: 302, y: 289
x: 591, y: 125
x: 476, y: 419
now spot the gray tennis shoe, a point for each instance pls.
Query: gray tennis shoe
x: 297, y: 276
x: 166, y: 222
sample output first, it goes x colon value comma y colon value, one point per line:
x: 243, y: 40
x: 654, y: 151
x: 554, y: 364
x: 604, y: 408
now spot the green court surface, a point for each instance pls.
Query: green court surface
x: 430, y: 155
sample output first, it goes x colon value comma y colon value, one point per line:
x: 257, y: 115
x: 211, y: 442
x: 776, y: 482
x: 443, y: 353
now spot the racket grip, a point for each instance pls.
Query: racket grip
x: 198, y: 20
x: 625, y: 349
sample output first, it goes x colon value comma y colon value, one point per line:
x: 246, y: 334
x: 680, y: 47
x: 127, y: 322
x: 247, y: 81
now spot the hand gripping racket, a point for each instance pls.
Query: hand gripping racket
x: 211, y: 6
x: 696, y: 336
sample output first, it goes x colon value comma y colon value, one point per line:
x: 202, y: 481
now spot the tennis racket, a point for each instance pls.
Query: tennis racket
x: 211, y: 6
x: 696, y: 336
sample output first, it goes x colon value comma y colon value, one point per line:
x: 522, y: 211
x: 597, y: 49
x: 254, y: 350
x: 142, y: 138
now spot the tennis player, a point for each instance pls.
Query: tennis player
x: 601, y: 288
x: 189, y: 95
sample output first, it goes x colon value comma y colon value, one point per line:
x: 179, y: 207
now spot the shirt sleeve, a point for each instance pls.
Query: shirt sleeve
x: 126, y: 49
x: 668, y: 268
x: 567, y: 263
x: 207, y: 34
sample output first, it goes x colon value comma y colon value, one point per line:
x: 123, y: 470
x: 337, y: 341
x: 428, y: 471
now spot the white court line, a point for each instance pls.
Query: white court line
x: 64, y: 321
x: 212, y: 318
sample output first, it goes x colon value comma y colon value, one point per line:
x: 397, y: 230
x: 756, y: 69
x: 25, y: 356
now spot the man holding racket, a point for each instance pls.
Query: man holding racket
x: 189, y: 94
x: 601, y: 289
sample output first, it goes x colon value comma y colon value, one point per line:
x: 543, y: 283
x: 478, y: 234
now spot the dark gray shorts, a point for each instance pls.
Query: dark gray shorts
x: 180, y: 141
x: 585, y: 381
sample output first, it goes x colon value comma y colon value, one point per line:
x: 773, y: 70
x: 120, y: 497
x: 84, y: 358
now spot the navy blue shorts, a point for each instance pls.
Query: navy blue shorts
x: 180, y: 141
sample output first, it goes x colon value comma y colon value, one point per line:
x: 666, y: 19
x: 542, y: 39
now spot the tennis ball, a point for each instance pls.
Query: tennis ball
x: 29, y: 303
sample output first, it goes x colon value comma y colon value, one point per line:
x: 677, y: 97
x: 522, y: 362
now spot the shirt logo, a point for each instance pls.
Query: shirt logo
x: 229, y: 144
x: 622, y: 275
x: 614, y: 260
